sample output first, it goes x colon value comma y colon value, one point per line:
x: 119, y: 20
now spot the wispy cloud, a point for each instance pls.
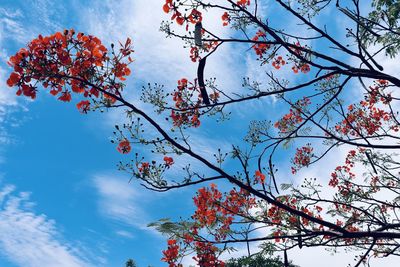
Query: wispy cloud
x: 120, y: 201
x: 8, y: 105
x: 157, y: 58
x: 10, y: 25
x: 125, y: 234
x: 30, y: 239
x: 11, y: 29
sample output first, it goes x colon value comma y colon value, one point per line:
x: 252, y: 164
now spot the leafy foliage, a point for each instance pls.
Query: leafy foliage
x: 258, y: 260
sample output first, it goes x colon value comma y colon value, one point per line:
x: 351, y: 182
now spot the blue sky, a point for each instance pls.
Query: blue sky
x: 62, y: 201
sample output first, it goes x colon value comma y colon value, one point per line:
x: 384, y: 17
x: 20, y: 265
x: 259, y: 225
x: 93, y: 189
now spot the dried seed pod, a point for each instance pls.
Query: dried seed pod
x: 197, y: 34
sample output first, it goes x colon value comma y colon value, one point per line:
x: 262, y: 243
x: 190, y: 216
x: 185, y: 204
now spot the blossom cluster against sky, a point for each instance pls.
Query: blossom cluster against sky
x: 62, y: 201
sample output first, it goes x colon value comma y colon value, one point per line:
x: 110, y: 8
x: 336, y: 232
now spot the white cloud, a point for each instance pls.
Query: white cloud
x: 8, y: 105
x: 10, y: 26
x: 125, y: 234
x: 30, y: 239
x: 120, y: 201
x: 158, y: 58
x: 10, y: 29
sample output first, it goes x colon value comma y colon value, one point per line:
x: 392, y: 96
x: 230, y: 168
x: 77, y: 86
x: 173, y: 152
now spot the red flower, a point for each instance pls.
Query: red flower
x: 121, y: 70
x: 206, y: 255
x: 171, y: 254
x: 259, y: 176
x: 305, y: 68
x: 182, y: 84
x: 383, y: 82
x: 278, y: 62
x: 144, y: 168
x: 168, y: 161
x: 183, y: 98
x: 14, y: 79
x: 195, y: 121
x: 83, y: 106
x: 225, y: 19
x: 124, y: 147
x: 243, y: 2
x: 302, y: 157
x: 168, y: 6
x: 65, y: 96
x: 260, y: 48
x: 195, y: 16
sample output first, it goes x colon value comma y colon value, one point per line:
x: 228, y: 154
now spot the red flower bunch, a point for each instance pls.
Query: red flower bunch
x: 168, y: 161
x: 226, y: 19
x: 217, y: 211
x: 171, y: 254
x: 243, y: 3
x: 171, y: 7
x: 278, y: 62
x: 299, y: 64
x: 259, y: 177
x: 260, y: 48
x: 144, y: 168
x: 344, y: 171
x: 302, y: 157
x: 366, y: 118
x: 293, y: 118
x: 205, y: 201
x: 124, y: 147
x: 66, y: 62
x: 183, y: 100
x: 206, y: 255
x: 83, y: 106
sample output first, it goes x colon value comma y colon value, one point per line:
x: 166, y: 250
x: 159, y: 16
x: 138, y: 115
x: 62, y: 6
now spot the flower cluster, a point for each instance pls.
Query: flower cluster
x: 144, y: 168
x: 152, y: 170
x: 260, y: 48
x: 194, y: 54
x: 288, y: 121
x: 365, y: 118
x: 226, y: 19
x: 344, y: 172
x: 299, y: 65
x: 168, y: 161
x: 206, y: 202
x: 183, y: 101
x: 215, y: 210
x: 293, y: 118
x: 171, y: 253
x: 277, y: 217
x: 65, y: 63
x: 206, y: 255
x: 193, y: 17
x: 83, y: 106
x: 259, y: 177
x: 278, y: 62
x: 243, y: 3
x: 206, y: 47
x: 124, y: 147
x: 302, y: 158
